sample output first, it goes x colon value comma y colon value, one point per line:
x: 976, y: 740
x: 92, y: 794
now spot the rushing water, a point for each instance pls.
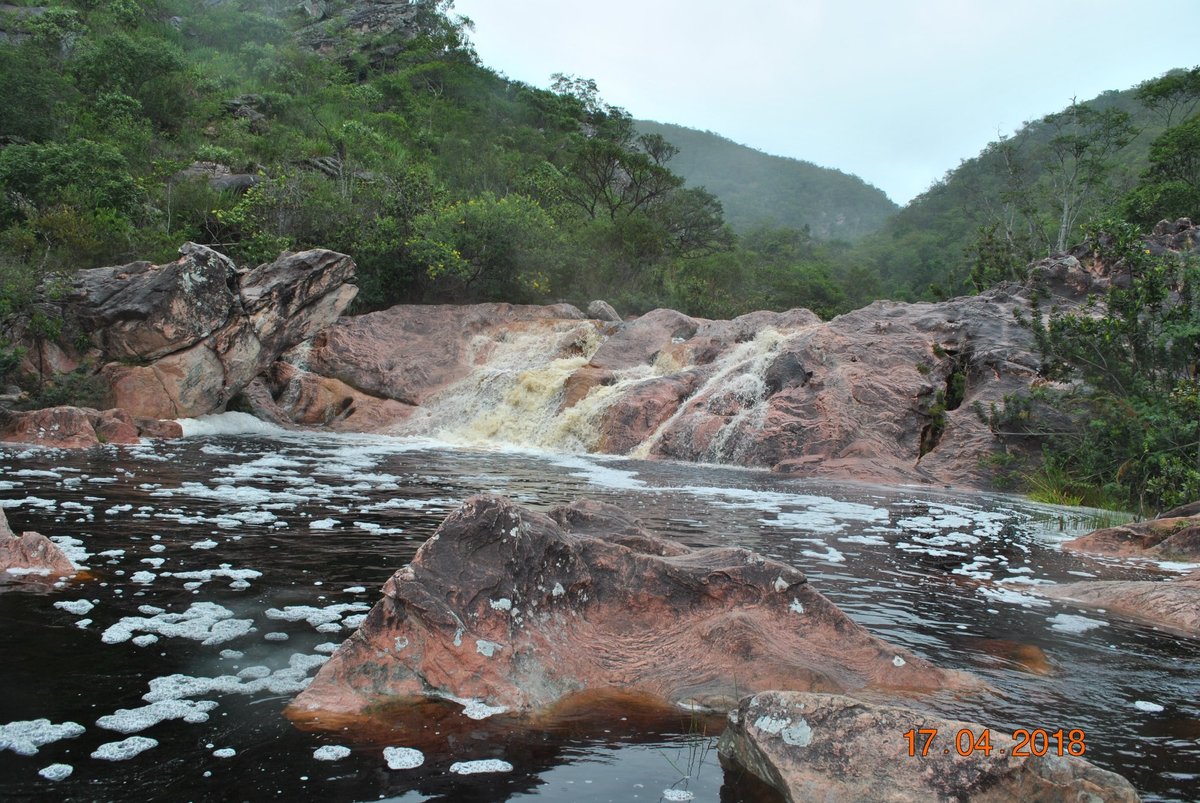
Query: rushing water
x: 262, y: 524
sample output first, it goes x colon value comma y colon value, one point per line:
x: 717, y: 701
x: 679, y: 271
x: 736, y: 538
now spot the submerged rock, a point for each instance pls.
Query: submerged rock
x: 835, y: 749
x: 507, y: 609
x: 31, y: 556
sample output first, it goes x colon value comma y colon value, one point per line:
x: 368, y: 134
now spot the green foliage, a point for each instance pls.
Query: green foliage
x: 1137, y: 353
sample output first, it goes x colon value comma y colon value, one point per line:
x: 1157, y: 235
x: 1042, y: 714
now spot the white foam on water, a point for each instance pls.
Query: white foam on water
x: 26, y: 736
x: 207, y: 543
x: 482, y: 766
x: 377, y: 529
x: 227, y: 424
x: 132, y: 720
x: 403, y: 758
x: 355, y: 590
x: 276, y: 636
x: 224, y: 752
x: 73, y: 548
x: 206, y: 622
x: 866, y: 540
x: 1012, y: 597
x: 56, y: 772
x: 327, y: 647
x: 1071, y: 623
x: 145, y: 640
x: 78, y: 607
x: 1147, y: 706
x: 317, y: 616
x: 124, y: 749
x: 677, y: 795
x: 323, y: 524
x: 331, y: 752
x: 225, y: 571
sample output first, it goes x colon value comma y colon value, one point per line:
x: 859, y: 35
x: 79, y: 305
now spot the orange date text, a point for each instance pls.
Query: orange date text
x: 966, y: 742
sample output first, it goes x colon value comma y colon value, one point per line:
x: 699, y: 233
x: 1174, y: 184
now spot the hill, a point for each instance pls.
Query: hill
x: 757, y: 189
x: 1023, y: 197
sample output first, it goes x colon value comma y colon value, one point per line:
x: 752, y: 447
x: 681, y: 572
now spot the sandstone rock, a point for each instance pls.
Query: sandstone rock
x: 31, y: 556
x: 409, y: 353
x: 300, y: 397
x: 832, y: 748
x: 890, y: 393
x: 80, y: 427
x: 516, y: 609
x: 182, y: 339
x: 602, y: 311
x: 1175, y: 538
x: 1170, y: 604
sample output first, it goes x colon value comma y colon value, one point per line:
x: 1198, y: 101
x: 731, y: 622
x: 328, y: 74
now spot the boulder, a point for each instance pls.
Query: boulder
x: 835, y: 749
x: 1173, y: 538
x: 31, y: 556
x: 182, y: 339
x: 511, y: 609
x: 602, y: 311
x: 1172, y: 605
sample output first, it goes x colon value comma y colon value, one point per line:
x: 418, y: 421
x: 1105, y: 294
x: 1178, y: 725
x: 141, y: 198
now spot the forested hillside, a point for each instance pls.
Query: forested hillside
x: 131, y: 126
x: 1031, y: 194
x: 757, y: 189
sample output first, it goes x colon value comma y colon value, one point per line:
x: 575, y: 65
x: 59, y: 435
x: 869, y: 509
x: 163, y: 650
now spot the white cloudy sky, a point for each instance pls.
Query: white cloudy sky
x: 894, y: 91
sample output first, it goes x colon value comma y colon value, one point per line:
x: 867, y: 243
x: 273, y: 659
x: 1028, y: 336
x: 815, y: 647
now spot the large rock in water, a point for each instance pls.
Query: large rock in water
x: 81, y: 427
x: 31, y: 556
x: 834, y: 749
x: 517, y: 610
x: 182, y: 339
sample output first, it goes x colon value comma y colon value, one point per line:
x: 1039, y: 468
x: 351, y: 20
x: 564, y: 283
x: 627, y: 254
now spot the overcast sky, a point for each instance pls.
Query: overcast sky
x: 894, y: 91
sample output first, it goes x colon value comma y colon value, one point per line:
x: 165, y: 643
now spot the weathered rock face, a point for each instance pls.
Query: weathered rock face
x: 81, y: 427
x: 1170, y: 604
x: 835, y: 749
x: 893, y: 392
x: 31, y: 556
x: 1169, y: 538
x: 182, y: 339
x: 515, y: 609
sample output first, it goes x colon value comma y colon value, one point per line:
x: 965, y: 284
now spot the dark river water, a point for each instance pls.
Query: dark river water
x: 223, y: 568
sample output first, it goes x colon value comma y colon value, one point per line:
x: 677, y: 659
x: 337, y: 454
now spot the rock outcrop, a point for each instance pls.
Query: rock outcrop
x: 182, y: 339
x: 1172, y: 538
x: 81, y: 427
x: 835, y: 749
x: 893, y: 392
x: 31, y: 557
x: 1172, y: 605
x: 507, y: 609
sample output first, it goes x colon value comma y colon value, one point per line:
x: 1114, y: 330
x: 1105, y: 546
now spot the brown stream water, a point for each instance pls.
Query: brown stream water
x: 273, y: 543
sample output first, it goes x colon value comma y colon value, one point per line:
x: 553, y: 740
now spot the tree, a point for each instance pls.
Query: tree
x: 1079, y: 158
x: 1176, y: 94
x: 1135, y: 357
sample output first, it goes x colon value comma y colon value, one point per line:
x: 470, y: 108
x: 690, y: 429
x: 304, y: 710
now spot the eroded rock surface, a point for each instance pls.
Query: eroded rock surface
x: 835, y: 749
x: 182, y: 339
x: 893, y: 392
x: 31, y: 556
x: 517, y: 610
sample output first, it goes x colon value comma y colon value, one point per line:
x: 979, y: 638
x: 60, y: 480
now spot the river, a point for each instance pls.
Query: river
x: 247, y: 554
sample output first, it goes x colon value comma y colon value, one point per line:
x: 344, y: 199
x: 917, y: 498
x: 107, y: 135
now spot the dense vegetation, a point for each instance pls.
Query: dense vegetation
x: 131, y: 126
x: 757, y: 189
x: 1030, y: 194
